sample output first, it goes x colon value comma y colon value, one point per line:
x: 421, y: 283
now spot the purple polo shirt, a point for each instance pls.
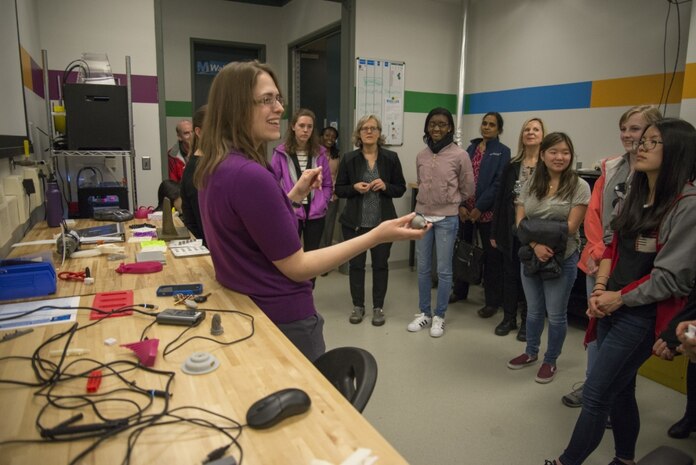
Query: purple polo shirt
x: 249, y: 223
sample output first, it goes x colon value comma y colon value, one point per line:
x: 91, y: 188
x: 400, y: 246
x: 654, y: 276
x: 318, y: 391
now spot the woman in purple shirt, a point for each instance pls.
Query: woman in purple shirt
x: 249, y: 221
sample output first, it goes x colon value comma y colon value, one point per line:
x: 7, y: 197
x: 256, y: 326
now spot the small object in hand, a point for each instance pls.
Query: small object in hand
x: 216, y: 328
x: 418, y: 222
x: 691, y: 332
x: 199, y: 299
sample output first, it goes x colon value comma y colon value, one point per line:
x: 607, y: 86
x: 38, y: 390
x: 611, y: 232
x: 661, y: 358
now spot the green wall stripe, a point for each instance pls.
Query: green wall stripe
x: 177, y: 108
x: 414, y: 102
x: 423, y: 102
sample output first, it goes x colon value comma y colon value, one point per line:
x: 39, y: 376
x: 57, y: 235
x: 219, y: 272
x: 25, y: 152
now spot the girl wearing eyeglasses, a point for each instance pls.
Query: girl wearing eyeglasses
x: 249, y: 221
x: 445, y: 180
x: 488, y: 158
x: 608, y: 192
x: 642, y: 281
x: 369, y: 178
x: 302, y: 151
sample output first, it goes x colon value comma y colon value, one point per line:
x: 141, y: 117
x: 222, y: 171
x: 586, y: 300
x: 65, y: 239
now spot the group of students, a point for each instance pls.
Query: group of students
x: 249, y: 209
x: 639, y: 256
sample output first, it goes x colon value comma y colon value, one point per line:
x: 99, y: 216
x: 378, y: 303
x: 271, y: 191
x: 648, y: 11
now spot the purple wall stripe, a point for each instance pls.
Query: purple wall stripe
x: 144, y: 87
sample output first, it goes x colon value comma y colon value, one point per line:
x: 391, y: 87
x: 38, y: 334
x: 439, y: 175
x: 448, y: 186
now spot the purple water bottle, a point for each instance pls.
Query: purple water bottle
x: 54, y: 204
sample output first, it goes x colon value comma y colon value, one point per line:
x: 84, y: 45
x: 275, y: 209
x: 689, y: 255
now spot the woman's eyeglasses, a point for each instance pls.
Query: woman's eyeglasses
x: 433, y: 125
x: 270, y: 100
x: 646, y: 144
x: 369, y: 129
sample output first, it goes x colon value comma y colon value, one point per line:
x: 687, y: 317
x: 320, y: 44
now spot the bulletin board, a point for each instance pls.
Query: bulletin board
x: 380, y: 91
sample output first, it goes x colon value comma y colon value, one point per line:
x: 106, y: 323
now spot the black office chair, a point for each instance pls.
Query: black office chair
x: 353, y: 371
x: 665, y: 455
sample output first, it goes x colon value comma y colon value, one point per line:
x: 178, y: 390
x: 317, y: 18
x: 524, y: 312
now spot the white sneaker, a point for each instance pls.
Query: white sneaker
x: 422, y: 320
x: 438, y: 327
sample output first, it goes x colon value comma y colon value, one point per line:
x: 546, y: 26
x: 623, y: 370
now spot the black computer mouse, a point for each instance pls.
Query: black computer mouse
x: 276, y: 407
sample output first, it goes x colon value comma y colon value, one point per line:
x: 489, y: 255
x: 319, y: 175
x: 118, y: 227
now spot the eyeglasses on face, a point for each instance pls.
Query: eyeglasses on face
x: 438, y: 125
x: 270, y: 100
x: 369, y: 129
x: 647, y: 144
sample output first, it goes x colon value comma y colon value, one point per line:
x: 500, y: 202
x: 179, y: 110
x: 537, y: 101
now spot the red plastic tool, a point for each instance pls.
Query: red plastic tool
x: 146, y: 351
x: 108, y: 301
x: 94, y: 380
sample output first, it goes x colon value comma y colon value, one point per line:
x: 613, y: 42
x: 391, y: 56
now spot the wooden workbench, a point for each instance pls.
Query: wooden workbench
x: 267, y: 362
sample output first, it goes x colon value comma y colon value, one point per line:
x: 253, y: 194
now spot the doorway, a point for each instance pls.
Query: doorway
x: 315, y: 75
x: 209, y: 56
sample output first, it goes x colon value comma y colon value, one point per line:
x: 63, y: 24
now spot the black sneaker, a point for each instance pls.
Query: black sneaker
x: 504, y: 328
x: 455, y: 298
x: 357, y: 315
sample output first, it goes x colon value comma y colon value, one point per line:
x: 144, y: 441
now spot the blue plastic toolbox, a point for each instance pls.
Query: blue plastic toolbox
x: 20, y: 279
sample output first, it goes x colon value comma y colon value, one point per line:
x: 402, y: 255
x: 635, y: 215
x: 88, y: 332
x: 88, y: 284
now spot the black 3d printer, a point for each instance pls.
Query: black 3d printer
x: 97, y: 120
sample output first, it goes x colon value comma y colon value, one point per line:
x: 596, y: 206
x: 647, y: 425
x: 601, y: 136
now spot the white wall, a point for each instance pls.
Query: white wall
x: 545, y: 42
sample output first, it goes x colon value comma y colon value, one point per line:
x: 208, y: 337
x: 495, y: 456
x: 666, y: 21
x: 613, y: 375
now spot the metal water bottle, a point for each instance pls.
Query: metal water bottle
x: 54, y: 204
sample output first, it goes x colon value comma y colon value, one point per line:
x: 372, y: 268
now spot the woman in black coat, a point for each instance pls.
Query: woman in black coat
x: 369, y: 178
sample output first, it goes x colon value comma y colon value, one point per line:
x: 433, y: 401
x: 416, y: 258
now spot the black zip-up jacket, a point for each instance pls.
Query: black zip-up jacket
x: 504, y: 209
x: 350, y: 171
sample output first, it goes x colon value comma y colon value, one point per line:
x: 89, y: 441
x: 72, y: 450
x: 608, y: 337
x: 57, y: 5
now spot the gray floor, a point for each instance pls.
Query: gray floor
x: 453, y: 401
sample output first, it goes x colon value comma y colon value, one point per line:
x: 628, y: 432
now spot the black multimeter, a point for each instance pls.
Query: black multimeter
x: 173, y: 316
x: 174, y: 289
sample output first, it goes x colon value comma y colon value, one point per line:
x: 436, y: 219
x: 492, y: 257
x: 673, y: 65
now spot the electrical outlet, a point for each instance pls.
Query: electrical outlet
x: 146, y: 164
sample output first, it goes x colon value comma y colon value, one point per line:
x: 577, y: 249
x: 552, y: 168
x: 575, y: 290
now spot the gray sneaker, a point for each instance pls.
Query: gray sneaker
x: 574, y: 398
x: 357, y: 315
x: 377, y: 316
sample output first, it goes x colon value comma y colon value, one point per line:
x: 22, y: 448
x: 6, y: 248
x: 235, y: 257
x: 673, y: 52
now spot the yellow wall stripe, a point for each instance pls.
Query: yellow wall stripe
x: 636, y: 90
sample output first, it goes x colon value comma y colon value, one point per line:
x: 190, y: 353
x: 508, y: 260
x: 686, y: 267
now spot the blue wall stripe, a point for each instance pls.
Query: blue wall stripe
x: 558, y: 97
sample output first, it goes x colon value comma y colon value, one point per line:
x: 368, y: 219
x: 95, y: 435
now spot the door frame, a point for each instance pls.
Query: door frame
x: 293, y: 47
x: 193, y: 41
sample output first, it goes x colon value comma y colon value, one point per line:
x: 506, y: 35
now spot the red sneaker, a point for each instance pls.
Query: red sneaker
x: 522, y: 361
x: 546, y: 373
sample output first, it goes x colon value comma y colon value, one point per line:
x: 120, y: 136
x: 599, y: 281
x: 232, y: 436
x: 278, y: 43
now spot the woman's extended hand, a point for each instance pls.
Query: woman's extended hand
x: 463, y: 214
x: 400, y: 229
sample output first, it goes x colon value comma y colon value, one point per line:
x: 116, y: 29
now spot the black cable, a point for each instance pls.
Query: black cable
x: 664, y: 61
x: 166, y: 351
x: 51, y: 376
x: 676, y: 57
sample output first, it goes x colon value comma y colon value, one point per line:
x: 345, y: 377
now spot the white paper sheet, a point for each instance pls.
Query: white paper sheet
x: 47, y: 316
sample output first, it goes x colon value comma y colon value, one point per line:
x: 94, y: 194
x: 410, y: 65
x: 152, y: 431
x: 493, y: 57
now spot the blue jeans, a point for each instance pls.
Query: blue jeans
x: 443, y: 233
x: 549, y: 297
x: 625, y: 341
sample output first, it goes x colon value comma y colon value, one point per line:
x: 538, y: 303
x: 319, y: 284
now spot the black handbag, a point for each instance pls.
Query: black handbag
x: 468, y: 260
